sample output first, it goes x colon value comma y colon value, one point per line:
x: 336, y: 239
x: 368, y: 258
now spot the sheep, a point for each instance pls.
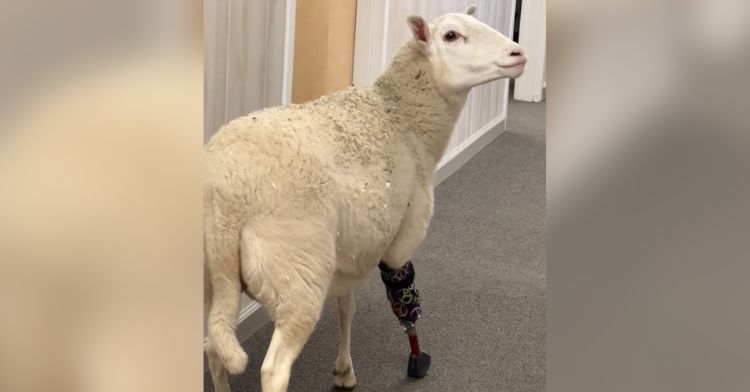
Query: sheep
x: 302, y: 202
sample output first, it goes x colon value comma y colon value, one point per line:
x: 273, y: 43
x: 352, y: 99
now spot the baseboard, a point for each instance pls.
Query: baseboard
x: 458, y: 157
x: 253, y: 317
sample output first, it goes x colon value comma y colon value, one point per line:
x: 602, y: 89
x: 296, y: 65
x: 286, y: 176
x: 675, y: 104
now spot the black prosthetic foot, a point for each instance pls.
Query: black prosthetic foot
x: 418, y: 365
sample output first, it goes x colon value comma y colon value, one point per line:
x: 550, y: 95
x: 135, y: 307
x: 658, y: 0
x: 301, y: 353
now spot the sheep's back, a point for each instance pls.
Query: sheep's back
x: 268, y: 163
x: 340, y: 156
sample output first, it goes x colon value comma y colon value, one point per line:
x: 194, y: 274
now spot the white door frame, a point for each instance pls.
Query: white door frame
x: 290, y: 14
x: 533, y: 38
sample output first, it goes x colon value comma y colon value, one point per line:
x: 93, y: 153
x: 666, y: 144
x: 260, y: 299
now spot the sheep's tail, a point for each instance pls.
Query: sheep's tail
x: 222, y: 260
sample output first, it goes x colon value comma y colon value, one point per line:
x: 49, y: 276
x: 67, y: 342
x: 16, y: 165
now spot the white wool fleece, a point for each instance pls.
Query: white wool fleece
x: 352, y: 162
x: 323, y: 190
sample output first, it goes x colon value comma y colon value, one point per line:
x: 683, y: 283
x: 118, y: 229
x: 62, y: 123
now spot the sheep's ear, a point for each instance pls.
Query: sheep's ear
x: 419, y: 29
x: 471, y: 10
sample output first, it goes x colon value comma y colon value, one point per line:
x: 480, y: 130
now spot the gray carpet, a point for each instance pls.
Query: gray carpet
x: 481, y: 273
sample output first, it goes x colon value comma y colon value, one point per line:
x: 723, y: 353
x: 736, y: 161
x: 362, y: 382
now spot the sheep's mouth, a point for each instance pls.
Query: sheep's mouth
x: 516, y: 61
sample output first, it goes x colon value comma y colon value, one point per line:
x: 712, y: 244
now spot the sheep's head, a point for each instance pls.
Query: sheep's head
x: 465, y: 52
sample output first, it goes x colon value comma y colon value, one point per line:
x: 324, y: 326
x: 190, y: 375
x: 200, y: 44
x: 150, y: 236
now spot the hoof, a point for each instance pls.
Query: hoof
x: 342, y: 378
x: 418, y: 365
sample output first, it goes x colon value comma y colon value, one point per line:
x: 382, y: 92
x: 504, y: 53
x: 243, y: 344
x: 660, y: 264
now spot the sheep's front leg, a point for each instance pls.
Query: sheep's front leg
x: 344, y: 377
x: 413, y: 228
x: 398, y: 275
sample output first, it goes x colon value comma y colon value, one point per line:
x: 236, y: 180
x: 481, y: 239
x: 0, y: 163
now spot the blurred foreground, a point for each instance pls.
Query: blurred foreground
x: 100, y: 208
x: 648, y: 190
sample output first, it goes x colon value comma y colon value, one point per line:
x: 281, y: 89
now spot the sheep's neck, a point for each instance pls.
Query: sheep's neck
x: 414, y: 101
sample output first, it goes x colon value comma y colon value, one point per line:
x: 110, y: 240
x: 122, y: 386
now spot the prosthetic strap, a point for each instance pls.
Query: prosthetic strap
x: 403, y: 296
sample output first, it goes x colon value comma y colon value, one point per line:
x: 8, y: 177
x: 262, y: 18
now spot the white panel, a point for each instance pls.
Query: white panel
x: 532, y: 36
x: 279, y: 34
x: 369, y: 42
x: 215, y: 15
x: 246, y: 57
x: 247, y: 46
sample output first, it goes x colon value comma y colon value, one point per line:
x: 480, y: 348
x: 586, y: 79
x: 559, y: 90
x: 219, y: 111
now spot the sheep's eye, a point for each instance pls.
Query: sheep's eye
x: 450, y: 36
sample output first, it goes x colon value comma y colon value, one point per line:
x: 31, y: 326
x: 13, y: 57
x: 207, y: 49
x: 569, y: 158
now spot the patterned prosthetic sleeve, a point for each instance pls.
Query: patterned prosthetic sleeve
x: 399, y: 286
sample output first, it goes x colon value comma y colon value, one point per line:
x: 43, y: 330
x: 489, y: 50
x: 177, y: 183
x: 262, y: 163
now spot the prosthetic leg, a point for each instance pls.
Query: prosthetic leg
x: 405, y: 303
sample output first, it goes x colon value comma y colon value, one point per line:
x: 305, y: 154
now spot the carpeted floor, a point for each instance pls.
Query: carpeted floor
x: 481, y: 273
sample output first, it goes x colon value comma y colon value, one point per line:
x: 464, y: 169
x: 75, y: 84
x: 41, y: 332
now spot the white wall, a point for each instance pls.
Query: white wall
x: 382, y: 30
x: 247, y: 62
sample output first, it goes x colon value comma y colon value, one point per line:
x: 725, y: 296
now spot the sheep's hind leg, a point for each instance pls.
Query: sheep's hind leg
x: 288, y: 267
x: 294, y: 319
x: 288, y: 339
x: 215, y: 365
x: 216, y: 368
x: 344, y: 378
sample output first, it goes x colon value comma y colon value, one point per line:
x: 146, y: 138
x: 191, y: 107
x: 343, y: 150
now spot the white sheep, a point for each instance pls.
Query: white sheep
x: 303, y: 201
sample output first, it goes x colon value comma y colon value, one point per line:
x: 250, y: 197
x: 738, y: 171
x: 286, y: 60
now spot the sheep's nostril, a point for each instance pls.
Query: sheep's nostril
x: 515, y: 52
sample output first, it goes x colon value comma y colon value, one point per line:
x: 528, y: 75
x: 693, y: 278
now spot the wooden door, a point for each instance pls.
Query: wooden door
x: 323, y: 47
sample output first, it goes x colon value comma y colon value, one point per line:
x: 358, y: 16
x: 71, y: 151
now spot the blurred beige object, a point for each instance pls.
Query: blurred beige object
x: 647, y: 191
x: 101, y: 205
